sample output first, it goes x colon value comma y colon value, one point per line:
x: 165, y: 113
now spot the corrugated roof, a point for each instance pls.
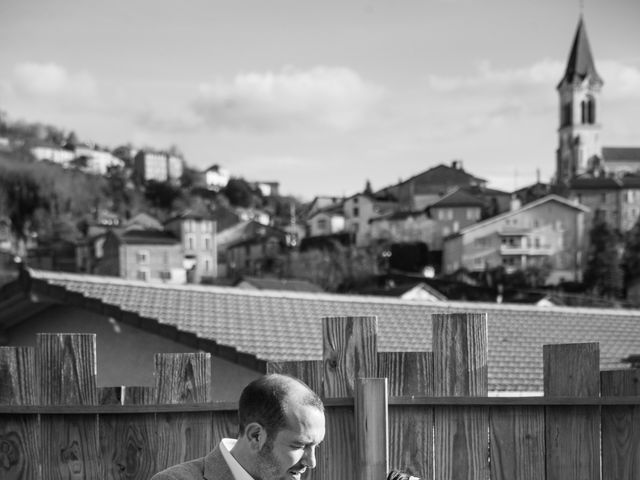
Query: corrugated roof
x: 283, y: 326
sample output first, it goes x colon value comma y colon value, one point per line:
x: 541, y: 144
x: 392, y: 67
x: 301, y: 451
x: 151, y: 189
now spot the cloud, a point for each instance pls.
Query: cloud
x: 487, y: 78
x: 333, y: 97
x: 52, y: 82
x: 621, y: 81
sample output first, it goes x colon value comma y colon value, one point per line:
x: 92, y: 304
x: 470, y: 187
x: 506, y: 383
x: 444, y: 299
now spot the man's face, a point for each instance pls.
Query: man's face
x: 293, y: 449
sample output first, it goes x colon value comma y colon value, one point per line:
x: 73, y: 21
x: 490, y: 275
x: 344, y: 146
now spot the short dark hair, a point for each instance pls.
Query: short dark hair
x: 264, y: 401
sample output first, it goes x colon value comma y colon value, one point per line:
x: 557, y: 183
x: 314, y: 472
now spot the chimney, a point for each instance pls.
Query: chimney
x: 456, y: 164
x: 515, y: 203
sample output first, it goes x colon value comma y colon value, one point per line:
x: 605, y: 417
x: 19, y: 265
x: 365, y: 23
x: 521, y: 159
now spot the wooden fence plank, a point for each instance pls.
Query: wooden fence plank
x: 310, y: 372
x: 517, y: 443
x: 66, y: 367
x: 128, y: 442
x: 183, y: 378
x: 372, y: 438
x: 460, y: 369
x: 350, y: 351
x: 19, y: 434
x: 620, y: 426
x: 572, y: 437
x: 410, y: 427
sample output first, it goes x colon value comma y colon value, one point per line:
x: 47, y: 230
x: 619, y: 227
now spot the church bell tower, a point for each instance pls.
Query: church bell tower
x: 579, y: 148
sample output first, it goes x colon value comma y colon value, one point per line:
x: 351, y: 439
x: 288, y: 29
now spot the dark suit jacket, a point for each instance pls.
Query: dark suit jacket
x: 211, y: 467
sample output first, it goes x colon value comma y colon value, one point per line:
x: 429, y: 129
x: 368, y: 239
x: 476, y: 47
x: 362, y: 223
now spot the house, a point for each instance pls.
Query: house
x: 197, y: 233
x: 245, y: 329
x: 423, y: 189
x: 326, y: 221
x: 360, y: 208
x: 158, y: 166
x: 257, y: 254
x: 616, y: 199
x: 49, y: 151
x: 267, y: 189
x: 418, y: 291
x: 142, y: 254
x: 405, y: 227
x: 547, y: 233
x: 94, y: 161
x: 453, y: 212
x: 270, y: 283
x: 216, y: 177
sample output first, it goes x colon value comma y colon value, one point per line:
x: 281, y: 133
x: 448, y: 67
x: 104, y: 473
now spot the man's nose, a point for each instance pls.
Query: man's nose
x: 309, y: 458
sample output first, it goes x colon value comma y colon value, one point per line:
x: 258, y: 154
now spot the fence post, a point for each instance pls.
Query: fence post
x: 572, y: 432
x: 410, y: 427
x: 372, y: 439
x: 66, y: 370
x: 19, y: 434
x: 349, y: 352
x: 460, y: 369
x: 183, y: 378
x: 620, y: 426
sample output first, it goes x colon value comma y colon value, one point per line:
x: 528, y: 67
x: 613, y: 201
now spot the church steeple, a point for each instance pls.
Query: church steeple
x: 580, y: 65
x: 579, y: 149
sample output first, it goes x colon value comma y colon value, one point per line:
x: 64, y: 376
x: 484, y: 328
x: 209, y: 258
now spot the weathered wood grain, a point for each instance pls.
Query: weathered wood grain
x: 70, y: 447
x: 19, y: 434
x: 183, y: 378
x: 66, y: 369
x: 461, y: 434
x: 410, y: 427
x: 572, y: 434
x: 337, y: 452
x: 225, y: 425
x: 517, y: 443
x: 128, y: 442
x: 350, y: 351
x: 620, y: 426
x: 17, y: 376
x: 19, y: 447
x: 310, y: 372
x: 66, y: 375
x: 372, y: 437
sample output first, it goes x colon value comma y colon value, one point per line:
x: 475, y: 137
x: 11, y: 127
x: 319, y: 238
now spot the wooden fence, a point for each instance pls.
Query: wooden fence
x: 427, y: 413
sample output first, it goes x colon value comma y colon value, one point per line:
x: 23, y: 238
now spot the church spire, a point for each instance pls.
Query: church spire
x: 580, y: 65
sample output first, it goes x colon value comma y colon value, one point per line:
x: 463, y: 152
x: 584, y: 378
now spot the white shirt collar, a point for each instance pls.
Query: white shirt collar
x: 238, y: 472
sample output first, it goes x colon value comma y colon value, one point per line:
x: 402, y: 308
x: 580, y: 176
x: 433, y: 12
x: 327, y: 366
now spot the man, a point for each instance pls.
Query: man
x: 281, y: 422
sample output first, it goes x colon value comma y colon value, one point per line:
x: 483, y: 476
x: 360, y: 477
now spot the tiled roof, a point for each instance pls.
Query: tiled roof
x: 146, y: 237
x: 590, y: 182
x: 458, y: 198
x: 612, y: 154
x: 282, y: 326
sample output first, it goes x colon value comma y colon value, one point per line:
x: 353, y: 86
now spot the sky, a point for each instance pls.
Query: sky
x: 320, y: 96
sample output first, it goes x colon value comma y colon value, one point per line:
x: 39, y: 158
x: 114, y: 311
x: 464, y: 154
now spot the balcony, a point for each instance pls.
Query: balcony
x: 543, y: 250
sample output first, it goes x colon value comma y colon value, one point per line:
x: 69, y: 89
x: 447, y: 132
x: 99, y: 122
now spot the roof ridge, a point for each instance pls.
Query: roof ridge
x: 323, y: 296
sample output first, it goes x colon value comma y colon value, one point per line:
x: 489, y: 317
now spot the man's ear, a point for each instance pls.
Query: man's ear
x: 256, y: 436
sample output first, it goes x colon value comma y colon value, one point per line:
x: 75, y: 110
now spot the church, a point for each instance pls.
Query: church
x: 604, y: 178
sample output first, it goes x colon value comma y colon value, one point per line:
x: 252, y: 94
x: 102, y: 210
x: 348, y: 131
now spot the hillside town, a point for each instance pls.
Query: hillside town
x: 165, y: 316
x: 442, y: 233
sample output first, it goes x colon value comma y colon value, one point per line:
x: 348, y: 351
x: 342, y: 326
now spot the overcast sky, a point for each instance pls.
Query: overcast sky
x: 320, y: 95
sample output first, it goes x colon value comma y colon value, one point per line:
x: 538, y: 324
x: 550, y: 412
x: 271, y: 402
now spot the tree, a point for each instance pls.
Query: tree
x: 161, y: 194
x: 603, y: 273
x: 631, y: 255
x: 239, y: 193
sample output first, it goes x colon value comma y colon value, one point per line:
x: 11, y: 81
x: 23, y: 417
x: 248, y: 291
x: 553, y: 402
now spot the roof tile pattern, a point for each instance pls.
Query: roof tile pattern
x: 287, y: 326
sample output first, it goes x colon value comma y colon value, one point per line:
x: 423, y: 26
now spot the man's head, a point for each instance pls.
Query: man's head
x: 281, y: 423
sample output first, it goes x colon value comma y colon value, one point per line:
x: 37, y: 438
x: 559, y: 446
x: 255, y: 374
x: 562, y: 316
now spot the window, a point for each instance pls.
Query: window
x: 207, y: 265
x: 356, y: 211
x: 142, y: 257
x: 206, y: 240
x: 322, y: 224
x: 190, y: 242
x: 472, y: 213
x: 190, y: 226
x: 142, y: 274
x: 165, y: 275
x: 588, y: 110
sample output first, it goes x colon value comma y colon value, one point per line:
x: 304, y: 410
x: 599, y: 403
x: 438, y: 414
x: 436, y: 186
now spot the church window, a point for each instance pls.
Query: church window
x: 588, y: 107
